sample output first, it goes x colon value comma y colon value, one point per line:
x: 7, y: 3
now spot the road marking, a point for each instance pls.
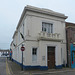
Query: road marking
x: 11, y: 71
x: 7, y: 69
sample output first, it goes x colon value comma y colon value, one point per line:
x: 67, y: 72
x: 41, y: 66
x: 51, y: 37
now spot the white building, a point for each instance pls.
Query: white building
x: 0, y: 54
x: 44, y: 39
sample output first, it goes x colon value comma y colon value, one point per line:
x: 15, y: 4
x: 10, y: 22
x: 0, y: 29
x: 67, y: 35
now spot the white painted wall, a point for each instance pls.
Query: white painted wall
x: 0, y: 54
x: 43, y: 51
x: 34, y: 25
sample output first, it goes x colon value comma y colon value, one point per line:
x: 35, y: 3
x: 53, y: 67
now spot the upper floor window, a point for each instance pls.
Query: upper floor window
x: 47, y: 27
x: 23, y: 29
x: 19, y: 35
x: 74, y: 35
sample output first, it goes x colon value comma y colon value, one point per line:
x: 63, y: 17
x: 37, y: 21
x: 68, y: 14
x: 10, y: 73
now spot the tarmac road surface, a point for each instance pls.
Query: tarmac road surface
x: 3, y: 66
x: 4, y: 69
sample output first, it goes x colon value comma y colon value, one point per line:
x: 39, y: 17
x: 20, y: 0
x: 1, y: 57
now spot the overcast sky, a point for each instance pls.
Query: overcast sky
x: 11, y: 10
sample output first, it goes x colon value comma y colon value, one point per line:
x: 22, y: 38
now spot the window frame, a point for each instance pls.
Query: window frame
x: 34, y: 56
x: 45, y: 27
x: 23, y: 28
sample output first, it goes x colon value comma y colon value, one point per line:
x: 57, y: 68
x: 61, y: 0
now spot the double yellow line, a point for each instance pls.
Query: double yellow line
x: 8, y: 70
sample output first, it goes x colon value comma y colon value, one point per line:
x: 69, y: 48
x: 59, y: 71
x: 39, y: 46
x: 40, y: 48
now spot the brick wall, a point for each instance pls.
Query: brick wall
x: 70, y: 37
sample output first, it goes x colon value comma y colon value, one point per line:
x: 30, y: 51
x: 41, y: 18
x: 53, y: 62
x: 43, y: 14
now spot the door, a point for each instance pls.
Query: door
x: 72, y: 50
x: 51, y: 57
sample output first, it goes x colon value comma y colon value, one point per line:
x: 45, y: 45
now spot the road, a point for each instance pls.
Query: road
x: 4, y: 70
x: 59, y: 73
x: 2, y: 66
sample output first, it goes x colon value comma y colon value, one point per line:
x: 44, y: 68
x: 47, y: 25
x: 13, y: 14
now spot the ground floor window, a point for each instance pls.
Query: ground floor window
x: 73, y: 57
x: 34, y: 54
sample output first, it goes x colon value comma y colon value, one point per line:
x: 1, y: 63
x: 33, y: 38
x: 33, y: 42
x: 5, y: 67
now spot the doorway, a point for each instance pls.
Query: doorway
x: 51, y: 57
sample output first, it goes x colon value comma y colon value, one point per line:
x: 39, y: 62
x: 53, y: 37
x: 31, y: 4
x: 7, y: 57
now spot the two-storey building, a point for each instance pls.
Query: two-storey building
x: 42, y: 32
x: 70, y: 37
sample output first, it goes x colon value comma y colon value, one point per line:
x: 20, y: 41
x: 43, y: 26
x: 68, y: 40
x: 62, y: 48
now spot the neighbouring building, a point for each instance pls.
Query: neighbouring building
x: 70, y: 36
x: 42, y: 32
x: 4, y: 52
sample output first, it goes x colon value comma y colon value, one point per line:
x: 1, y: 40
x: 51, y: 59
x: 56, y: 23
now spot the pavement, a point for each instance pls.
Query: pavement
x: 15, y: 69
